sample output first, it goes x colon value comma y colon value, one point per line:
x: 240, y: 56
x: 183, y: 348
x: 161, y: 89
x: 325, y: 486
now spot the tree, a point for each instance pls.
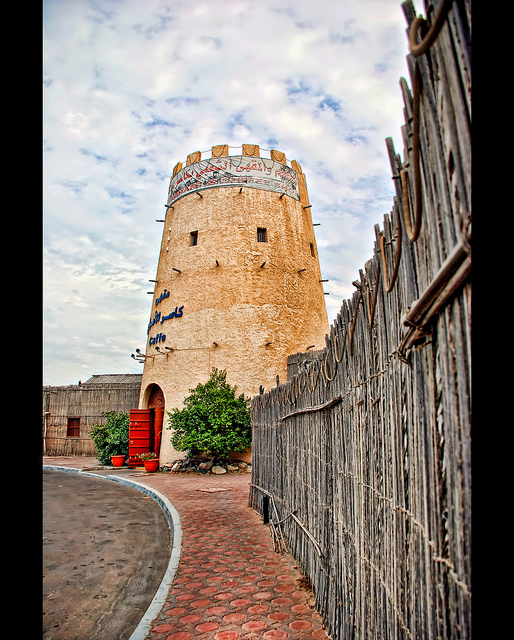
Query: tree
x: 214, y: 420
x: 112, y: 437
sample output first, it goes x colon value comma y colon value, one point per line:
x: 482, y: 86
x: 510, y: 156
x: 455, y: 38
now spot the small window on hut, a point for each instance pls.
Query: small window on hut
x: 312, y: 249
x: 193, y: 238
x: 73, y: 430
x: 262, y: 235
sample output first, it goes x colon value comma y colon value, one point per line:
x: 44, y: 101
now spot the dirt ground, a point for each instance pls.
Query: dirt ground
x: 106, y: 548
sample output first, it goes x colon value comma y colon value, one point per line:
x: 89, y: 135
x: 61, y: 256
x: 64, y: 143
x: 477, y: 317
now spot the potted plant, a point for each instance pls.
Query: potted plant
x: 111, y: 438
x: 118, y: 459
x: 150, y: 460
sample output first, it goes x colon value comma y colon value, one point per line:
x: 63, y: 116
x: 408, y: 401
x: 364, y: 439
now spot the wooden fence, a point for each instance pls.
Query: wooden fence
x: 361, y: 460
x: 87, y: 402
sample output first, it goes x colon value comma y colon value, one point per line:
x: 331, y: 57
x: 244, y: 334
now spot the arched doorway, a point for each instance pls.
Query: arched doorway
x: 145, y: 425
x: 156, y: 405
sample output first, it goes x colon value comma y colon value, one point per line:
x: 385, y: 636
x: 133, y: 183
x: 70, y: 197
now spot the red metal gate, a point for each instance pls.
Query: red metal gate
x: 141, y: 435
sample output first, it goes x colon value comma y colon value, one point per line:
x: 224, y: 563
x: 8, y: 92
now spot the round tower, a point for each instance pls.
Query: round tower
x: 238, y: 284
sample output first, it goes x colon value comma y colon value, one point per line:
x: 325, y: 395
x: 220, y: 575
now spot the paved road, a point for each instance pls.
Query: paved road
x: 106, y: 548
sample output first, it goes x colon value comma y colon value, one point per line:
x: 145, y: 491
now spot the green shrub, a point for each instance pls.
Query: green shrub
x: 213, y: 421
x: 111, y: 438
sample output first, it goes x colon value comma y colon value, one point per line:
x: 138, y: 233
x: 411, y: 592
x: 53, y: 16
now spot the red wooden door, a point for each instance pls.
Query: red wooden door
x: 141, y: 437
x: 158, y: 412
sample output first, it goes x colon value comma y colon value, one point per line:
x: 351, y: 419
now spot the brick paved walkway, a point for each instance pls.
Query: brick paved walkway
x: 230, y: 583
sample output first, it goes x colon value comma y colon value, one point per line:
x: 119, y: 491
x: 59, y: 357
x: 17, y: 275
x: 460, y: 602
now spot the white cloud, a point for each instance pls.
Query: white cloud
x: 131, y: 87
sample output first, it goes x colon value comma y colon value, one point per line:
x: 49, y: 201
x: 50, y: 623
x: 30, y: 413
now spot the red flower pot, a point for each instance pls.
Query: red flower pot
x: 118, y: 460
x: 151, y: 466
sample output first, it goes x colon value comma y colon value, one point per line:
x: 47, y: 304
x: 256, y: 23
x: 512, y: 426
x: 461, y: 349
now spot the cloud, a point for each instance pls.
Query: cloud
x: 133, y: 87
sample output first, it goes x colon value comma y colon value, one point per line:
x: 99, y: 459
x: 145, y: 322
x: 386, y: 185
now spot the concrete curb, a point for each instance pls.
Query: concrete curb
x: 173, y: 518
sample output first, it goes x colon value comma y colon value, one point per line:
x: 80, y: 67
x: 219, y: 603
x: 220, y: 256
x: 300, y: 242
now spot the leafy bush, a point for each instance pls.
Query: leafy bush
x: 111, y: 438
x: 214, y: 420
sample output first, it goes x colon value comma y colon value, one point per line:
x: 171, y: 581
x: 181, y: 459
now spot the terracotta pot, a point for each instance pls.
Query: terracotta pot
x: 118, y: 460
x: 151, y: 466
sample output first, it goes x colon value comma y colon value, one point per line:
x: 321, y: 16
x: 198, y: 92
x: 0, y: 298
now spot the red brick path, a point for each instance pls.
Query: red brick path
x: 230, y: 583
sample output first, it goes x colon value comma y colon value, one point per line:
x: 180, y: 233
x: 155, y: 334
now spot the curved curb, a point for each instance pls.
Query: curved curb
x: 173, y: 518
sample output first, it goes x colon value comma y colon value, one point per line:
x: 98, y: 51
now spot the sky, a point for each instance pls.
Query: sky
x: 131, y: 87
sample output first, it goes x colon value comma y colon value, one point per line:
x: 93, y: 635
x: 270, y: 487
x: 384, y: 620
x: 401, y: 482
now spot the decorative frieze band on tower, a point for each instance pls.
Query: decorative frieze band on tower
x: 237, y: 170
x: 238, y: 284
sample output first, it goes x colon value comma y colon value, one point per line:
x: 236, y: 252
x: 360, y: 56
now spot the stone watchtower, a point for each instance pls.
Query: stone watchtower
x: 238, y: 284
